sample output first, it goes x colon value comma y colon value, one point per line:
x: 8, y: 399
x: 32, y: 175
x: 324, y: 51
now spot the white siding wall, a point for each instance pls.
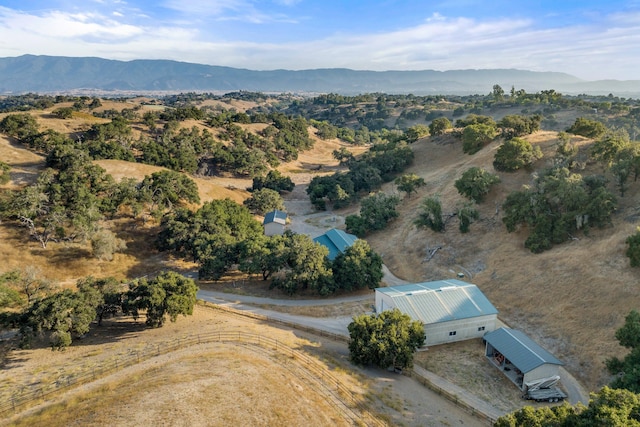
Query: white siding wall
x: 475, y: 327
x: 383, y: 302
x: 273, y: 228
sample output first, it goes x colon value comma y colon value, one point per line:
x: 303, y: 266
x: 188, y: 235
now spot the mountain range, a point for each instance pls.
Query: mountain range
x: 60, y: 74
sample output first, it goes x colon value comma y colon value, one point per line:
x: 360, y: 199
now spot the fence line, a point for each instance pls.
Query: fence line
x: 344, y: 399
x: 348, y: 402
x: 452, y: 397
x: 490, y: 419
x: 249, y: 314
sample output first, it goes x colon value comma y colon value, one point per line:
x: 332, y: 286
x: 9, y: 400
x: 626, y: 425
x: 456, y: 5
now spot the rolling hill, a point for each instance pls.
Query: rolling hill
x: 29, y: 73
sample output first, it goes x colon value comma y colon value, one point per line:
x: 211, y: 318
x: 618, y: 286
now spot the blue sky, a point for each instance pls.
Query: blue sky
x: 589, y: 39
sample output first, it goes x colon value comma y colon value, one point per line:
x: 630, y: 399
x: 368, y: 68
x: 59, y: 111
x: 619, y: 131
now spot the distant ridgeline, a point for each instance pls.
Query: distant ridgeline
x: 29, y: 73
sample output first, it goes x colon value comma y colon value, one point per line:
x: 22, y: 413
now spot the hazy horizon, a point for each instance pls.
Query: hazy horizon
x: 590, y: 40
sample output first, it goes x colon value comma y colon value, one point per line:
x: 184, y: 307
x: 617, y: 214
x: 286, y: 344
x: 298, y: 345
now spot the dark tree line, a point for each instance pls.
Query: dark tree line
x: 366, y: 173
x: 64, y: 315
x: 223, y: 235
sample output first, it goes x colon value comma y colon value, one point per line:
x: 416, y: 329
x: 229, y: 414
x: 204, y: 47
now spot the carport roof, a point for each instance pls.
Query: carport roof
x: 524, y: 353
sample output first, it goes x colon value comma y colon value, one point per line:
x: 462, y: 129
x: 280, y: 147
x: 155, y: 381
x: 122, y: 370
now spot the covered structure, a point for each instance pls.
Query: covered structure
x: 450, y: 310
x: 274, y: 223
x: 337, y: 241
x: 520, y: 358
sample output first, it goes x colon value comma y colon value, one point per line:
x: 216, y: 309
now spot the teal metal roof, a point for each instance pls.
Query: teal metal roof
x: 337, y: 241
x: 522, y: 351
x: 440, y: 301
x: 275, y: 216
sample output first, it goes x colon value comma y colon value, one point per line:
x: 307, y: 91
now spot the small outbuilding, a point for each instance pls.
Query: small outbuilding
x: 520, y: 358
x: 450, y: 310
x: 337, y: 241
x: 274, y: 223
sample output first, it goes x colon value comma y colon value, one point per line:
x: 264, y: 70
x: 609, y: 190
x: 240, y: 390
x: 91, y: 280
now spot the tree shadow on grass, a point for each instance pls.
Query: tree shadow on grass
x: 68, y: 256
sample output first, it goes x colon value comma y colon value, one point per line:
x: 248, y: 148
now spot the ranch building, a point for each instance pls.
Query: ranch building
x: 274, y: 223
x: 450, y: 310
x: 337, y: 241
x: 520, y: 358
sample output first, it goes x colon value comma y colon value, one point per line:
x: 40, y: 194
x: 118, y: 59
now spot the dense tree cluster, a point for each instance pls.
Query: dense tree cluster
x: 626, y: 369
x: 366, y: 174
x: 439, y: 126
x: 29, y: 101
x: 586, y: 127
x: 387, y: 339
x: 515, y: 154
x: 222, y: 234
x: 376, y: 210
x: 169, y: 294
x: 61, y: 316
x: 73, y: 194
x: 608, y: 407
x: 476, y: 136
x: 264, y: 200
x: 273, y: 180
x: 514, y: 125
x: 558, y: 205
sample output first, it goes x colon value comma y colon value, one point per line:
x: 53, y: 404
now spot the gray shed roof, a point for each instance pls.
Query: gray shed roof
x: 276, y: 216
x: 440, y: 301
x: 522, y: 351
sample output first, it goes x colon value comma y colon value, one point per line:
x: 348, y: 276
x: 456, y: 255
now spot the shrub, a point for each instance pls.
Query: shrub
x: 515, y: 154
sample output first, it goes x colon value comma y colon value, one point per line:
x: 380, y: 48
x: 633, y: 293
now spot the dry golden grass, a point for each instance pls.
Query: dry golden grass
x: 212, y: 384
x: 571, y: 299
x: 209, y: 188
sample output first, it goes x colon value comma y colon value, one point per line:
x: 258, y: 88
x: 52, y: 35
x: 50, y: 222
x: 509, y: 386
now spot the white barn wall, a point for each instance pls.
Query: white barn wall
x: 438, y: 333
x: 273, y: 228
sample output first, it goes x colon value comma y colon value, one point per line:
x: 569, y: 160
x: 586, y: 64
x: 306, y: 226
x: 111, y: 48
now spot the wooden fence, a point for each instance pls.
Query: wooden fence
x: 345, y: 400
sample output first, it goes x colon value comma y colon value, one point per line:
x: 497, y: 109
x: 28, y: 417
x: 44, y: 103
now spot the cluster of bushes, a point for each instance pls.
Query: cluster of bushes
x: 366, y: 174
x: 180, y: 149
x: 222, y: 235
x: 61, y: 316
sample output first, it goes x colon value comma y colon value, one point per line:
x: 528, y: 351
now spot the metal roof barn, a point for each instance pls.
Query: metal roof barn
x: 451, y: 310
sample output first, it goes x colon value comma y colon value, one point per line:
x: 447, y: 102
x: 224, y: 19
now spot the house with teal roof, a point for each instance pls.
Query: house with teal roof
x: 337, y: 241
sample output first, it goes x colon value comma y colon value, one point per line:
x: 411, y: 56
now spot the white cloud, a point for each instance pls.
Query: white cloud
x: 609, y: 49
x: 207, y: 7
x: 287, y: 2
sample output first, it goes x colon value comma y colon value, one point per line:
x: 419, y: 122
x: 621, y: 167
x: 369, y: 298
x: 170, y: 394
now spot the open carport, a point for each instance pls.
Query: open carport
x: 520, y: 358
